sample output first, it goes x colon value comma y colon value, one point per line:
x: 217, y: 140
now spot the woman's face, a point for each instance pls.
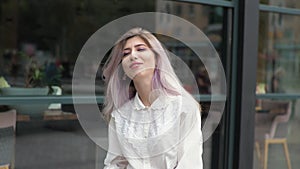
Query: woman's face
x: 138, y: 59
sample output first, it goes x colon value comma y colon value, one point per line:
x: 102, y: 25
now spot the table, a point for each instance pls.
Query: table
x: 50, y: 115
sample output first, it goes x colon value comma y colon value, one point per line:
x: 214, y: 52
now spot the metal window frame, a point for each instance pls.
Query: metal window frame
x: 283, y: 10
x: 220, y: 3
x: 245, y: 49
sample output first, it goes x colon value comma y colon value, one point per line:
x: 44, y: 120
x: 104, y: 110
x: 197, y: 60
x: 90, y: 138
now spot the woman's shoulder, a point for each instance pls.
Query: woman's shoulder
x: 125, y: 108
x: 190, y: 105
x: 184, y: 104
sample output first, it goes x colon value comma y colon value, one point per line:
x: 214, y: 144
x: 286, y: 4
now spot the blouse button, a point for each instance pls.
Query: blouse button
x: 146, y: 130
x: 146, y: 164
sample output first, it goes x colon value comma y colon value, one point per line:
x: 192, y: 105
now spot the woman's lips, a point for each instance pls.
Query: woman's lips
x: 135, y: 65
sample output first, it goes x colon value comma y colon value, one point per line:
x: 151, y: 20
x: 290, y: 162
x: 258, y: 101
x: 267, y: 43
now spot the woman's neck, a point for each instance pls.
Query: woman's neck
x: 143, y: 86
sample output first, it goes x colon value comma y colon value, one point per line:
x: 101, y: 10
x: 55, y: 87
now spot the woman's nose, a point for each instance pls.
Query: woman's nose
x: 133, y: 55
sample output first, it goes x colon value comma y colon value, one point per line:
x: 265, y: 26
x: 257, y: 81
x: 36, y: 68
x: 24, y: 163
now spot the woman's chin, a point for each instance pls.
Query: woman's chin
x: 143, y: 74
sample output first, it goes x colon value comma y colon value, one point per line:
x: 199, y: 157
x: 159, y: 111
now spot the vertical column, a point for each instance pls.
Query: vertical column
x: 243, y: 83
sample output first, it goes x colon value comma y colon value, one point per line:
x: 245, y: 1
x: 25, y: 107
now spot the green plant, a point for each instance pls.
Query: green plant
x: 35, y: 76
x: 3, y: 82
x: 42, y: 76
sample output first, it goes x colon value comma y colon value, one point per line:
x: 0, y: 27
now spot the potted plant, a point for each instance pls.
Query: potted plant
x: 38, y: 82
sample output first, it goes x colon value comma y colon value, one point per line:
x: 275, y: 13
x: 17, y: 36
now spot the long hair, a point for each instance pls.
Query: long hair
x: 120, y: 91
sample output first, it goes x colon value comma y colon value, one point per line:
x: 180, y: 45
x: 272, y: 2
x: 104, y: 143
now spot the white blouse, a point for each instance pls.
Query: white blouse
x: 166, y: 135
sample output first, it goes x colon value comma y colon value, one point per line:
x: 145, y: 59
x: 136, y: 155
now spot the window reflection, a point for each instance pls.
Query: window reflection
x: 31, y: 30
x: 211, y: 21
x: 277, y: 73
x: 279, y: 52
x: 49, y: 34
x: 282, y: 3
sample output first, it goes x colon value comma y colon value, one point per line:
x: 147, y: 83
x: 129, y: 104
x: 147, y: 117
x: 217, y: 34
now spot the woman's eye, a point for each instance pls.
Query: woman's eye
x: 141, y: 49
x: 125, y: 54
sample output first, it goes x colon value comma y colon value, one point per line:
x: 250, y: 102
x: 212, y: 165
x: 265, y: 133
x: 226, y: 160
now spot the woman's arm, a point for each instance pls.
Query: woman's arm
x: 114, y: 158
x: 190, y: 148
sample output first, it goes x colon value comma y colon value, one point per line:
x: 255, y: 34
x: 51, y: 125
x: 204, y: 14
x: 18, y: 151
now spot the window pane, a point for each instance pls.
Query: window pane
x: 279, y: 53
x: 213, y: 22
x: 32, y: 33
x: 276, y: 120
x: 50, y: 34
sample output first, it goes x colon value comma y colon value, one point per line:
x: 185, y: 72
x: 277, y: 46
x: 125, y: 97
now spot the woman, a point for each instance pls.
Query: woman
x: 153, y: 121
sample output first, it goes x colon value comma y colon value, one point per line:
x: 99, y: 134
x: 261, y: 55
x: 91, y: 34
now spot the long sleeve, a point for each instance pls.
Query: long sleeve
x: 114, y: 158
x: 191, y: 148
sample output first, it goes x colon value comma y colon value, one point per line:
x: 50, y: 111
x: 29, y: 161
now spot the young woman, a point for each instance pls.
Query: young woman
x: 153, y: 122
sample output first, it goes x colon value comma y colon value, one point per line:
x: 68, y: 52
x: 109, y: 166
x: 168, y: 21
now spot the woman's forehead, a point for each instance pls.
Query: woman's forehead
x: 134, y: 41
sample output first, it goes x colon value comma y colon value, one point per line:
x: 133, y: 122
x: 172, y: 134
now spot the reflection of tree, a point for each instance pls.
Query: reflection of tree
x: 262, y: 46
x: 8, y: 24
x: 43, y: 22
x: 64, y: 26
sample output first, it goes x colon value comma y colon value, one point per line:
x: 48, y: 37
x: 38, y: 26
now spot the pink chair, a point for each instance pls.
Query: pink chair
x: 272, y: 128
x: 7, y: 138
x: 8, y: 119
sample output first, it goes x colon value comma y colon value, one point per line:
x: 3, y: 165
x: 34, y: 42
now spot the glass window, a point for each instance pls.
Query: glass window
x: 213, y: 22
x: 279, y: 53
x: 278, y: 71
x: 179, y: 9
x: 47, y: 36
x: 31, y: 32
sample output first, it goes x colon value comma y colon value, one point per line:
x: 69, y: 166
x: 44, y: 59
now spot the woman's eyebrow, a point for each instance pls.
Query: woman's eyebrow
x: 137, y: 45
x: 141, y: 44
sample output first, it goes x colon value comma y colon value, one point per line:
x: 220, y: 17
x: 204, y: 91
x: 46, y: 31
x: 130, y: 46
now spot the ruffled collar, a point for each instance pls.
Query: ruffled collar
x: 160, y: 103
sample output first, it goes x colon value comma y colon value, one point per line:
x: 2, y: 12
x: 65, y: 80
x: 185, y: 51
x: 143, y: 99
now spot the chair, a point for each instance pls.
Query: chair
x: 7, y: 138
x: 271, y: 128
x: 4, y: 166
